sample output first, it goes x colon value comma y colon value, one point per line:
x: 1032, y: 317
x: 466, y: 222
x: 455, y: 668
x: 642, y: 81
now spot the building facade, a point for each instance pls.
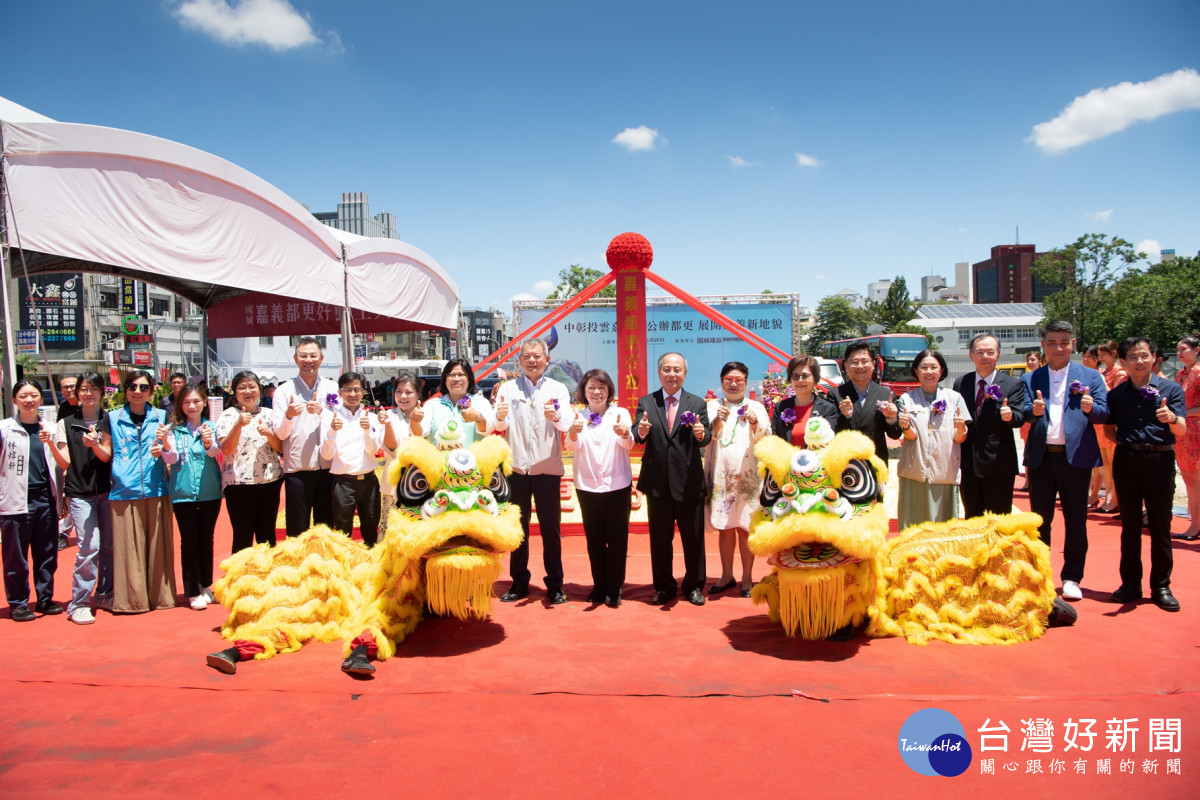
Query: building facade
x: 1007, y: 277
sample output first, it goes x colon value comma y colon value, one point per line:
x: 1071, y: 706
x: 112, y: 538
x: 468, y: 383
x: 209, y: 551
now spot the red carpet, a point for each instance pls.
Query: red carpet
x: 584, y: 701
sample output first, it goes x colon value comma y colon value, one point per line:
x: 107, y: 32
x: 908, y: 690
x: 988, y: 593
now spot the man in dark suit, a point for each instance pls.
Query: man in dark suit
x: 864, y: 405
x: 672, y: 478
x: 989, y: 455
x: 1064, y: 401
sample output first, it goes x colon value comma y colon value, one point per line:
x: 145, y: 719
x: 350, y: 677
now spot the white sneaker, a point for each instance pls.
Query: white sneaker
x: 81, y: 616
x: 198, y: 603
x: 209, y: 595
x: 1071, y: 591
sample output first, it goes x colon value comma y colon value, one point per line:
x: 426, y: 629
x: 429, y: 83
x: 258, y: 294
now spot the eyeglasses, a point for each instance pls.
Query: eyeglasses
x: 733, y: 380
x: 139, y: 387
x: 352, y: 391
x: 802, y: 376
x: 859, y: 362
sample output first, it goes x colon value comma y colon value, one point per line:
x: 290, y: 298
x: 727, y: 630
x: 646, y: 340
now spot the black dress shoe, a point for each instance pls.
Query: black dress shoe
x: 49, y: 608
x: 22, y: 614
x: 593, y: 597
x: 558, y: 597
x: 1126, y: 594
x: 695, y: 597
x: 717, y: 588
x: 225, y: 661
x: 514, y: 594
x: 1165, y: 600
x: 358, y: 662
x: 613, y: 602
x: 660, y: 598
x: 746, y: 590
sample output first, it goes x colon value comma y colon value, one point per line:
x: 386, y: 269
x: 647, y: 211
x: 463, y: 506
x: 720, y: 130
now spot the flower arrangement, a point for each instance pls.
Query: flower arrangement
x: 1148, y: 392
x: 1077, y: 387
x: 629, y: 251
x: 595, y: 418
x: 687, y: 418
x: 710, y: 395
x: 995, y: 393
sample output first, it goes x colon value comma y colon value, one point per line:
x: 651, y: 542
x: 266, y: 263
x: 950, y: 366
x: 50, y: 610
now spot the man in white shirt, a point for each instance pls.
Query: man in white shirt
x: 533, y: 412
x: 296, y: 414
x: 350, y: 438
x: 1063, y: 404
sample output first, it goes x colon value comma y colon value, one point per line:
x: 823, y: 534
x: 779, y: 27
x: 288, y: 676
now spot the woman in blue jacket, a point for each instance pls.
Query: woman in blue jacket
x: 143, y: 533
x: 190, y: 450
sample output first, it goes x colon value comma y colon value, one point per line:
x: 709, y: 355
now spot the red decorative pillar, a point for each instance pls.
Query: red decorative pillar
x: 629, y: 255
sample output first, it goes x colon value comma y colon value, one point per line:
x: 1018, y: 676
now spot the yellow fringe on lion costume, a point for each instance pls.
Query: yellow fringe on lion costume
x: 823, y: 530
x: 442, y: 549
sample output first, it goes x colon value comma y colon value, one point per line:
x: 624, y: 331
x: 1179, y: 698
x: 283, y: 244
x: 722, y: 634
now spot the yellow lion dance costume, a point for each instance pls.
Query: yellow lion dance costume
x: 442, y: 550
x: 823, y: 529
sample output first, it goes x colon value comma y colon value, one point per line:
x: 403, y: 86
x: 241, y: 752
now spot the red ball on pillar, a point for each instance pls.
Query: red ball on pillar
x: 629, y: 251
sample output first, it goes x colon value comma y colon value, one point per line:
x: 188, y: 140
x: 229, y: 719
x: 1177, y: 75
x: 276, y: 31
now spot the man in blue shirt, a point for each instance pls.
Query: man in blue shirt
x: 1149, y: 414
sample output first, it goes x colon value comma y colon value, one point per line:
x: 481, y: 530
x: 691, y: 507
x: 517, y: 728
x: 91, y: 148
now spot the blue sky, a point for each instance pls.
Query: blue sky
x: 758, y: 145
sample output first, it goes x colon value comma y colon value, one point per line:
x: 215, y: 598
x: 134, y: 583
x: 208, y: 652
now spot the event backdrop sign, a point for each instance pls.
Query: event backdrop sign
x: 586, y: 339
x: 55, y: 300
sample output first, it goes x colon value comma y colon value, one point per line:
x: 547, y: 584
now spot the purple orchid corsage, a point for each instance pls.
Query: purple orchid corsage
x: 331, y: 400
x: 995, y: 392
x: 1077, y: 387
x: 938, y: 407
x: 464, y: 402
x: 881, y: 405
x: 595, y: 418
x: 554, y: 402
x: 787, y: 416
x: 741, y: 412
x: 1148, y: 392
x: 687, y: 418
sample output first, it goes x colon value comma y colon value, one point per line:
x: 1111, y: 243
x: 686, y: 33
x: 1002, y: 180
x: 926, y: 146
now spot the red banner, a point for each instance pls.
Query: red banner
x: 631, y: 338
x: 258, y: 314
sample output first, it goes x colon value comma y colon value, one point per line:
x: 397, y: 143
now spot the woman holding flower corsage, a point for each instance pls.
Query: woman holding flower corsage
x: 792, y: 414
x: 933, y: 420
x: 460, y: 415
x: 600, y: 438
x: 732, y: 473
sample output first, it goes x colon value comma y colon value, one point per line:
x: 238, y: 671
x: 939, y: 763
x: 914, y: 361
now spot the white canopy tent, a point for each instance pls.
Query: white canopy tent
x: 92, y: 199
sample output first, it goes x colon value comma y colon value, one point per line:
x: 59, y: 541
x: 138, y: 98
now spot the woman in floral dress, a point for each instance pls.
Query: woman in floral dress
x: 733, y: 472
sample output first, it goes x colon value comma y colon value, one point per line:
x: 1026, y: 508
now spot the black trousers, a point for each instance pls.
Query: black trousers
x: 307, y: 494
x: 1147, y: 476
x: 1055, y: 477
x: 252, y: 509
x: 606, y: 527
x: 36, y: 533
x: 544, y: 490
x: 360, y: 492
x: 985, y: 495
x: 664, y: 514
x: 196, y: 522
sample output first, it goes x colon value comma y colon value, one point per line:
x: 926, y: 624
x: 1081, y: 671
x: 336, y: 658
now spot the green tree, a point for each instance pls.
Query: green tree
x: 836, y: 318
x: 574, y: 279
x: 1086, y: 269
x: 895, y: 310
x: 1160, y: 302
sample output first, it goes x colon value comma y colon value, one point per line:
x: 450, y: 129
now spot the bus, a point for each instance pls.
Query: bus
x: 895, y: 352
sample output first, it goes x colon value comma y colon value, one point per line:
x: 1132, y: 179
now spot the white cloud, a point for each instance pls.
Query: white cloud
x: 805, y: 160
x: 274, y: 23
x: 1100, y: 216
x: 544, y: 288
x: 961, y: 229
x: 524, y: 296
x: 1151, y: 248
x: 1102, y: 112
x: 639, y: 138
x: 738, y: 161
x: 820, y: 276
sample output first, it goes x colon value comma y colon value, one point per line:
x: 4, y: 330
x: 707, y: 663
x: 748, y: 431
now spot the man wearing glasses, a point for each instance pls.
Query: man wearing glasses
x: 297, y: 407
x: 864, y: 405
x: 533, y: 412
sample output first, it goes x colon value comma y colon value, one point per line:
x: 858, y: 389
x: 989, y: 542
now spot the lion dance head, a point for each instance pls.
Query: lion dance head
x: 819, y: 526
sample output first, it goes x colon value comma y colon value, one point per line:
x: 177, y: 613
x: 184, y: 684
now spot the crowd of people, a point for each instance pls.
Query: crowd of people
x: 118, y: 477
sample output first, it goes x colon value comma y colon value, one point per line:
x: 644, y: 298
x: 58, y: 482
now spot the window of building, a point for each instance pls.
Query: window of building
x: 160, y: 306
x: 1004, y: 334
x: 108, y: 299
x: 267, y: 341
x: 964, y: 335
x: 295, y: 340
